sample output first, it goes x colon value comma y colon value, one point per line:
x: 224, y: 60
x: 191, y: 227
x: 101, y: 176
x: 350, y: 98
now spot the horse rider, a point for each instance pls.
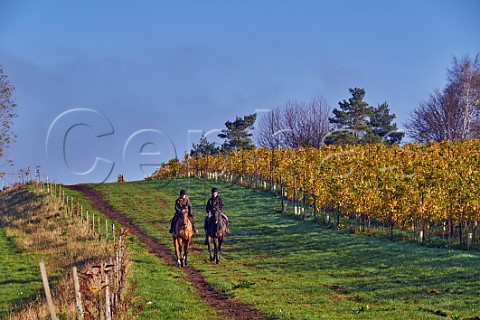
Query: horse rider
x: 180, y: 203
x: 214, y: 204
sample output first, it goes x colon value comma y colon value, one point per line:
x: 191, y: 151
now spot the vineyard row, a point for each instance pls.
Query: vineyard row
x: 413, y: 186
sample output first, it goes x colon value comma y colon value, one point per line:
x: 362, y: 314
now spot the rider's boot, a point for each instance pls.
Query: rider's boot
x: 172, y: 223
x: 205, y: 225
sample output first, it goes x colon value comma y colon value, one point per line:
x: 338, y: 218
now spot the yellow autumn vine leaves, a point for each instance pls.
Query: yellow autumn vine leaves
x: 433, y: 182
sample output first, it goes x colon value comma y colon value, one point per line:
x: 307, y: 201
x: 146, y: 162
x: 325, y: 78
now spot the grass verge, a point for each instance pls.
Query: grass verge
x: 19, y: 280
x: 33, y: 229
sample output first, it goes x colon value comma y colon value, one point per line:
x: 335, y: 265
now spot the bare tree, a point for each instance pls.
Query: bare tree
x: 295, y: 124
x: 463, y: 90
x: 454, y: 113
x: 7, y: 113
x: 268, y: 131
x: 435, y: 120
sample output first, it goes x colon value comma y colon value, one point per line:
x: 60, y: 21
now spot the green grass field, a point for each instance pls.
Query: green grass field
x: 288, y: 268
x: 292, y: 269
x: 19, y: 275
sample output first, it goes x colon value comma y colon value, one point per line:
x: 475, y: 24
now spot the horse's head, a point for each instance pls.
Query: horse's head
x: 184, y: 211
x: 220, y: 225
x: 217, y: 216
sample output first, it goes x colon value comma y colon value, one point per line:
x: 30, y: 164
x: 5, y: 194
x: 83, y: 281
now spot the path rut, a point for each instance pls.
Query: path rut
x: 226, y: 308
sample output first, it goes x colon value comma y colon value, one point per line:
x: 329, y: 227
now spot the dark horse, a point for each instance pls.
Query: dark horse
x: 217, y: 229
x: 182, y: 235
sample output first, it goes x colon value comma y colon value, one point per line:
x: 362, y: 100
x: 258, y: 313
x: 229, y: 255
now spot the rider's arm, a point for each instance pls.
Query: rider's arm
x: 208, y: 207
x: 177, y: 207
x: 220, y: 204
x: 190, y: 208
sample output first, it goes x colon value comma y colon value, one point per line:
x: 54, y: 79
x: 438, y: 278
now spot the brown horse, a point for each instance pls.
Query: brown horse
x: 182, y: 235
x: 217, y: 229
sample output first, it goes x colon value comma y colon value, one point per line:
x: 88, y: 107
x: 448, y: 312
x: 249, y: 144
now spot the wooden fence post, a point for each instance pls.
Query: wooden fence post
x: 66, y: 208
x: 108, y: 313
x: 106, y: 231
x: 78, y: 296
x: 47, y: 291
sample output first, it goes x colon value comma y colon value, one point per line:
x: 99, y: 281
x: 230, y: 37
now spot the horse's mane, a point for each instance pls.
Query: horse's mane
x: 183, y: 201
x: 221, y: 223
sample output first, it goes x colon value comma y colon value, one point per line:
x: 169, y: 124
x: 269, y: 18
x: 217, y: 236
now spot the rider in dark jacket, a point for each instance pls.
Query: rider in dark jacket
x: 214, y: 205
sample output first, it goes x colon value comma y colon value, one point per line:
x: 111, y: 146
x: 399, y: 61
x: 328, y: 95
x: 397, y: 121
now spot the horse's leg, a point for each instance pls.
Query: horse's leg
x: 179, y: 256
x: 185, y: 252
x: 177, y: 253
x: 209, y: 248
x: 220, y: 241
x: 184, y: 255
x: 216, y: 253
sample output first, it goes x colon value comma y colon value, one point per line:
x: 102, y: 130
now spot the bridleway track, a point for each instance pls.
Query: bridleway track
x: 226, y: 308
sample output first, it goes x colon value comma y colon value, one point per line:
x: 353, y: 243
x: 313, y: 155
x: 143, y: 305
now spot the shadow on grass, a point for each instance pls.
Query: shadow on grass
x: 259, y: 232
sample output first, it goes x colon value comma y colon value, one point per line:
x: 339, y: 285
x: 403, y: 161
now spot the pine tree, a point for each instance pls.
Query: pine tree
x: 204, y: 147
x: 381, y: 128
x: 351, y: 120
x: 358, y: 123
x: 237, y: 135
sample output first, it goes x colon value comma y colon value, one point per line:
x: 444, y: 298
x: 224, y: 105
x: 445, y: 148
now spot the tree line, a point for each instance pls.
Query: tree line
x: 450, y: 114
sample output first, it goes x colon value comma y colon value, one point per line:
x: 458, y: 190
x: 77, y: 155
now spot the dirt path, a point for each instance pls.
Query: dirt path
x: 227, y: 308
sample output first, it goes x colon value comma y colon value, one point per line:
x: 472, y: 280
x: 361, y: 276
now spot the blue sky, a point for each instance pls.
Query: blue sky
x: 133, y: 83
